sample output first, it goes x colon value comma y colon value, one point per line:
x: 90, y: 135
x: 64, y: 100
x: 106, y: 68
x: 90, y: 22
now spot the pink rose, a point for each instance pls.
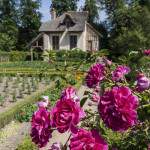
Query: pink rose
x: 44, y: 103
x: 70, y: 93
x: 87, y: 140
x: 95, y: 75
x: 119, y: 72
x: 147, y: 52
x: 95, y: 97
x: 56, y: 146
x: 118, y: 108
x: 66, y: 114
x: 40, y: 127
x: 143, y: 83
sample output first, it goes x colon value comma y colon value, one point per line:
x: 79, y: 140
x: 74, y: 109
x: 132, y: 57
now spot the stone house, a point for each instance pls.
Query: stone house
x: 68, y: 31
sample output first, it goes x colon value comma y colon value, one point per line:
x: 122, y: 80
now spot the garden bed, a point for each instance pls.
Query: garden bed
x: 10, y: 111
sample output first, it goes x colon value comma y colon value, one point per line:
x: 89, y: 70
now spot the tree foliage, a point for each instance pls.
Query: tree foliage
x: 64, y: 6
x: 129, y: 24
x: 19, y: 23
x: 8, y: 25
x: 92, y: 8
x: 30, y: 21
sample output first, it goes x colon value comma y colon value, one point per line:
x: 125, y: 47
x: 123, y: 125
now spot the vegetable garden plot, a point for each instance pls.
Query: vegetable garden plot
x: 13, y: 89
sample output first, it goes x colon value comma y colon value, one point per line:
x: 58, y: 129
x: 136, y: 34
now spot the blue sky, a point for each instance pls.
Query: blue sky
x: 44, y: 9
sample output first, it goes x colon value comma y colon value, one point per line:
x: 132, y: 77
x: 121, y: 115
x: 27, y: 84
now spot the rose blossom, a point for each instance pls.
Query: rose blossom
x: 70, y: 93
x: 147, y: 52
x: 44, y: 103
x: 117, y: 108
x: 66, y: 114
x: 40, y: 127
x: 143, y: 83
x: 87, y: 140
x: 95, y: 97
x: 56, y: 146
x: 119, y: 72
x: 95, y: 75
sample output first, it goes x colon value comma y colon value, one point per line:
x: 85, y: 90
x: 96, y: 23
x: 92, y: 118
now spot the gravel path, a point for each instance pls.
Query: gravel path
x: 11, y: 142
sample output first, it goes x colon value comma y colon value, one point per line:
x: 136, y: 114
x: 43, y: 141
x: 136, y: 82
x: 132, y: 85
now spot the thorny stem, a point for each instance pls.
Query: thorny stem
x: 66, y: 142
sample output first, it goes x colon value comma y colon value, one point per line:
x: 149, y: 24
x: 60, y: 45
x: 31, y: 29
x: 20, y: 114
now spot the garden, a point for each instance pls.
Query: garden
x: 96, y: 101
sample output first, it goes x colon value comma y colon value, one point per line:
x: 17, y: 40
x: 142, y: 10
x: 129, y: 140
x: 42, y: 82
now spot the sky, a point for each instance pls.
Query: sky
x: 45, y: 5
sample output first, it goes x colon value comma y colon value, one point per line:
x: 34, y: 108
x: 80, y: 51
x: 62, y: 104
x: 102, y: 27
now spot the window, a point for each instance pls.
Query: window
x: 73, y: 41
x: 90, y: 45
x: 55, y: 42
x: 68, y: 22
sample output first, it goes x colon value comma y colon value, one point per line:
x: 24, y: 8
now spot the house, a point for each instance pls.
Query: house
x: 68, y: 31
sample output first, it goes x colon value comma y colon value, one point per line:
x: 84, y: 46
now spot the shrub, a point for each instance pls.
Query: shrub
x: 77, y: 54
x: 17, y: 56
x: 25, y: 113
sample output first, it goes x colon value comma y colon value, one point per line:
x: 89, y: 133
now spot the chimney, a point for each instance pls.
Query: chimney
x: 53, y: 14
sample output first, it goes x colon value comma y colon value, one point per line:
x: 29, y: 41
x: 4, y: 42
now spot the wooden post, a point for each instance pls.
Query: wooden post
x: 31, y: 50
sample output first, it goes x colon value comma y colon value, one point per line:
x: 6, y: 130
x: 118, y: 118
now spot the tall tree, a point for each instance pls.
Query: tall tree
x: 64, y: 6
x: 129, y: 24
x: 8, y: 25
x: 30, y: 21
x: 92, y: 8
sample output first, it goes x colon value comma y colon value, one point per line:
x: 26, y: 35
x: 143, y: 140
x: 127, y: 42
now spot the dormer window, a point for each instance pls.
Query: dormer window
x: 68, y: 22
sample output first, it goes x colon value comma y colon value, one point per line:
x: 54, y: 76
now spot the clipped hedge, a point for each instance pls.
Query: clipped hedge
x: 10, y: 114
x: 61, y: 55
x: 76, y: 55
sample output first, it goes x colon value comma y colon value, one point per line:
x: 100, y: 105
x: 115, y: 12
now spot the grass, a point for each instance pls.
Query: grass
x: 27, y: 144
x: 9, y: 130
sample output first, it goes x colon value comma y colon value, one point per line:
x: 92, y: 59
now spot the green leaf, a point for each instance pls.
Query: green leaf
x: 83, y: 100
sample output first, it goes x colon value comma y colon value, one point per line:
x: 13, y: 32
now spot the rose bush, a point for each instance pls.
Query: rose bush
x: 118, y: 101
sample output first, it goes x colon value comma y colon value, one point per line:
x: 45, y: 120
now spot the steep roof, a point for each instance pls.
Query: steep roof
x: 79, y: 18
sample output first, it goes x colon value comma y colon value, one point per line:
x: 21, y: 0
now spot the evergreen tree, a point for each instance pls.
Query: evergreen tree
x: 8, y: 25
x: 30, y: 21
x: 92, y: 8
x: 64, y: 6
